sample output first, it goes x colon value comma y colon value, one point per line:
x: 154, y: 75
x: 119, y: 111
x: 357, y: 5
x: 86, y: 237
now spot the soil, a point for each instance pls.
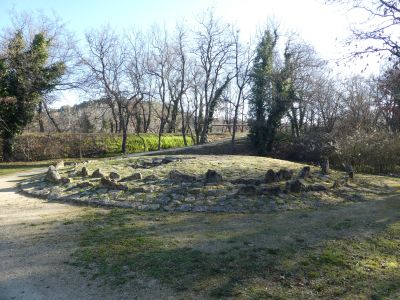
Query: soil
x: 36, y: 241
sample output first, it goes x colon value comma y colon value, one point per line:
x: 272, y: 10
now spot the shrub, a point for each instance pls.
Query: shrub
x: 35, y: 146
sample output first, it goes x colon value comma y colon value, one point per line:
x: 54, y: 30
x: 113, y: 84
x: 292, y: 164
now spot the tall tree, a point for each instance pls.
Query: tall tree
x: 26, y: 76
x: 273, y: 91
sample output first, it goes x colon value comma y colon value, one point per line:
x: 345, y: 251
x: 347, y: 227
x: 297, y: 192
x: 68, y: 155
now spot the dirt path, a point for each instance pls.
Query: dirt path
x: 37, y: 239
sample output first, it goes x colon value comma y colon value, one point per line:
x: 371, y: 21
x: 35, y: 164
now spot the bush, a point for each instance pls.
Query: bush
x: 35, y: 146
x: 376, y: 152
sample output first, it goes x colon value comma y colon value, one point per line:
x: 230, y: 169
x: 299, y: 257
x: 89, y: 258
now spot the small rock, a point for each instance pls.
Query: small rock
x: 84, y: 184
x: 52, y: 175
x: 111, y: 184
x: 295, y: 186
x: 325, y: 166
x: 138, y: 190
x: 247, y: 181
x: 285, y: 174
x: 213, y: 176
x: 65, y: 180
x: 98, y: 174
x: 271, y: 177
x: 350, y: 171
x: 134, y: 176
x: 114, y: 176
x: 60, y: 164
x: 317, y: 188
x: 247, y: 190
x: 151, y: 178
x: 178, y: 176
x: 84, y: 172
x: 305, y: 172
x: 271, y: 190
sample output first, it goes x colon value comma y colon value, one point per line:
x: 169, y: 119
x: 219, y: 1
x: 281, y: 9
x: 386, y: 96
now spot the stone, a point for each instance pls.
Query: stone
x: 271, y: 176
x: 84, y: 172
x: 52, y: 175
x: 349, y: 170
x: 304, y: 172
x: 138, y: 190
x: 295, y: 186
x: 325, y: 166
x: 284, y: 174
x: 178, y: 176
x: 213, y: 176
x: 271, y: 190
x: 60, y: 164
x: 84, y: 184
x: 98, y: 174
x: 247, y: 190
x: 134, y: 176
x: 151, y: 178
x: 114, y: 176
x: 247, y: 181
x: 111, y: 184
x: 317, y: 188
x: 65, y: 180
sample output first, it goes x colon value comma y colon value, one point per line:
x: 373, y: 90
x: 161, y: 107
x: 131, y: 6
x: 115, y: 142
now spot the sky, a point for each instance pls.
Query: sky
x: 323, y: 26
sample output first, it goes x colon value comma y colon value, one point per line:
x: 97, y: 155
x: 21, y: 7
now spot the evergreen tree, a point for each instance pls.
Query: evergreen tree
x: 25, y: 77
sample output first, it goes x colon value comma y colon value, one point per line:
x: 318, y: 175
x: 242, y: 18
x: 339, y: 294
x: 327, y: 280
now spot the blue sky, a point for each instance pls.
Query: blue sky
x: 321, y: 25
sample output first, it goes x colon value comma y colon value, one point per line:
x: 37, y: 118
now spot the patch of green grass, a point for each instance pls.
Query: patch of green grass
x: 252, y: 256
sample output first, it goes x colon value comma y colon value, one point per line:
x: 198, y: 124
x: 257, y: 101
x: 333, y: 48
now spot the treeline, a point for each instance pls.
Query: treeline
x: 183, y: 79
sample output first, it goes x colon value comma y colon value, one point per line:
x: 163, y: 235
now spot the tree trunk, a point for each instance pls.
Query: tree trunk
x: 40, y: 116
x: 124, y: 138
x: 8, y: 142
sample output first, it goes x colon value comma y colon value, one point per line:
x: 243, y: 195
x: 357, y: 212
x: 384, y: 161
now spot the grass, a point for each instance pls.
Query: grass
x: 346, y: 252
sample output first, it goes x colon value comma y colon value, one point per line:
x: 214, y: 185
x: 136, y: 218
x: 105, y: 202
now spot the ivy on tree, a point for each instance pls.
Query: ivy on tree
x: 25, y: 77
x: 272, y: 92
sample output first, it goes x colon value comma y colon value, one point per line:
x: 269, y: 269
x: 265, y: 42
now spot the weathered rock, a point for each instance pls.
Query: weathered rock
x: 170, y: 159
x: 336, y: 184
x: 65, y: 180
x: 305, y: 172
x: 52, y: 175
x: 247, y: 181
x: 213, y: 176
x: 271, y: 176
x: 138, y: 190
x: 349, y: 170
x: 325, y: 166
x: 295, y: 186
x: 84, y: 184
x: 134, y: 176
x: 98, y: 174
x: 151, y: 178
x: 284, y: 174
x: 271, y: 190
x: 60, y: 165
x: 84, y: 172
x: 178, y: 176
x: 247, y: 190
x: 114, y: 176
x: 317, y: 188
x: 111, y: 184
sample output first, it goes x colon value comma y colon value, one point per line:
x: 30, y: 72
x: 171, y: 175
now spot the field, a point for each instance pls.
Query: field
x: 340, y: 243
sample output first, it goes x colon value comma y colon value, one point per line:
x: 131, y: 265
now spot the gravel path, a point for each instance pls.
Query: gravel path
x: 37, y: 239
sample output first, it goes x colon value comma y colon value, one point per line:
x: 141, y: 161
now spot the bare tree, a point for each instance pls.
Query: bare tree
x: 214, y: 50
x: 244, y: 55
x: 379, y: 31
x: 106, y: 58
